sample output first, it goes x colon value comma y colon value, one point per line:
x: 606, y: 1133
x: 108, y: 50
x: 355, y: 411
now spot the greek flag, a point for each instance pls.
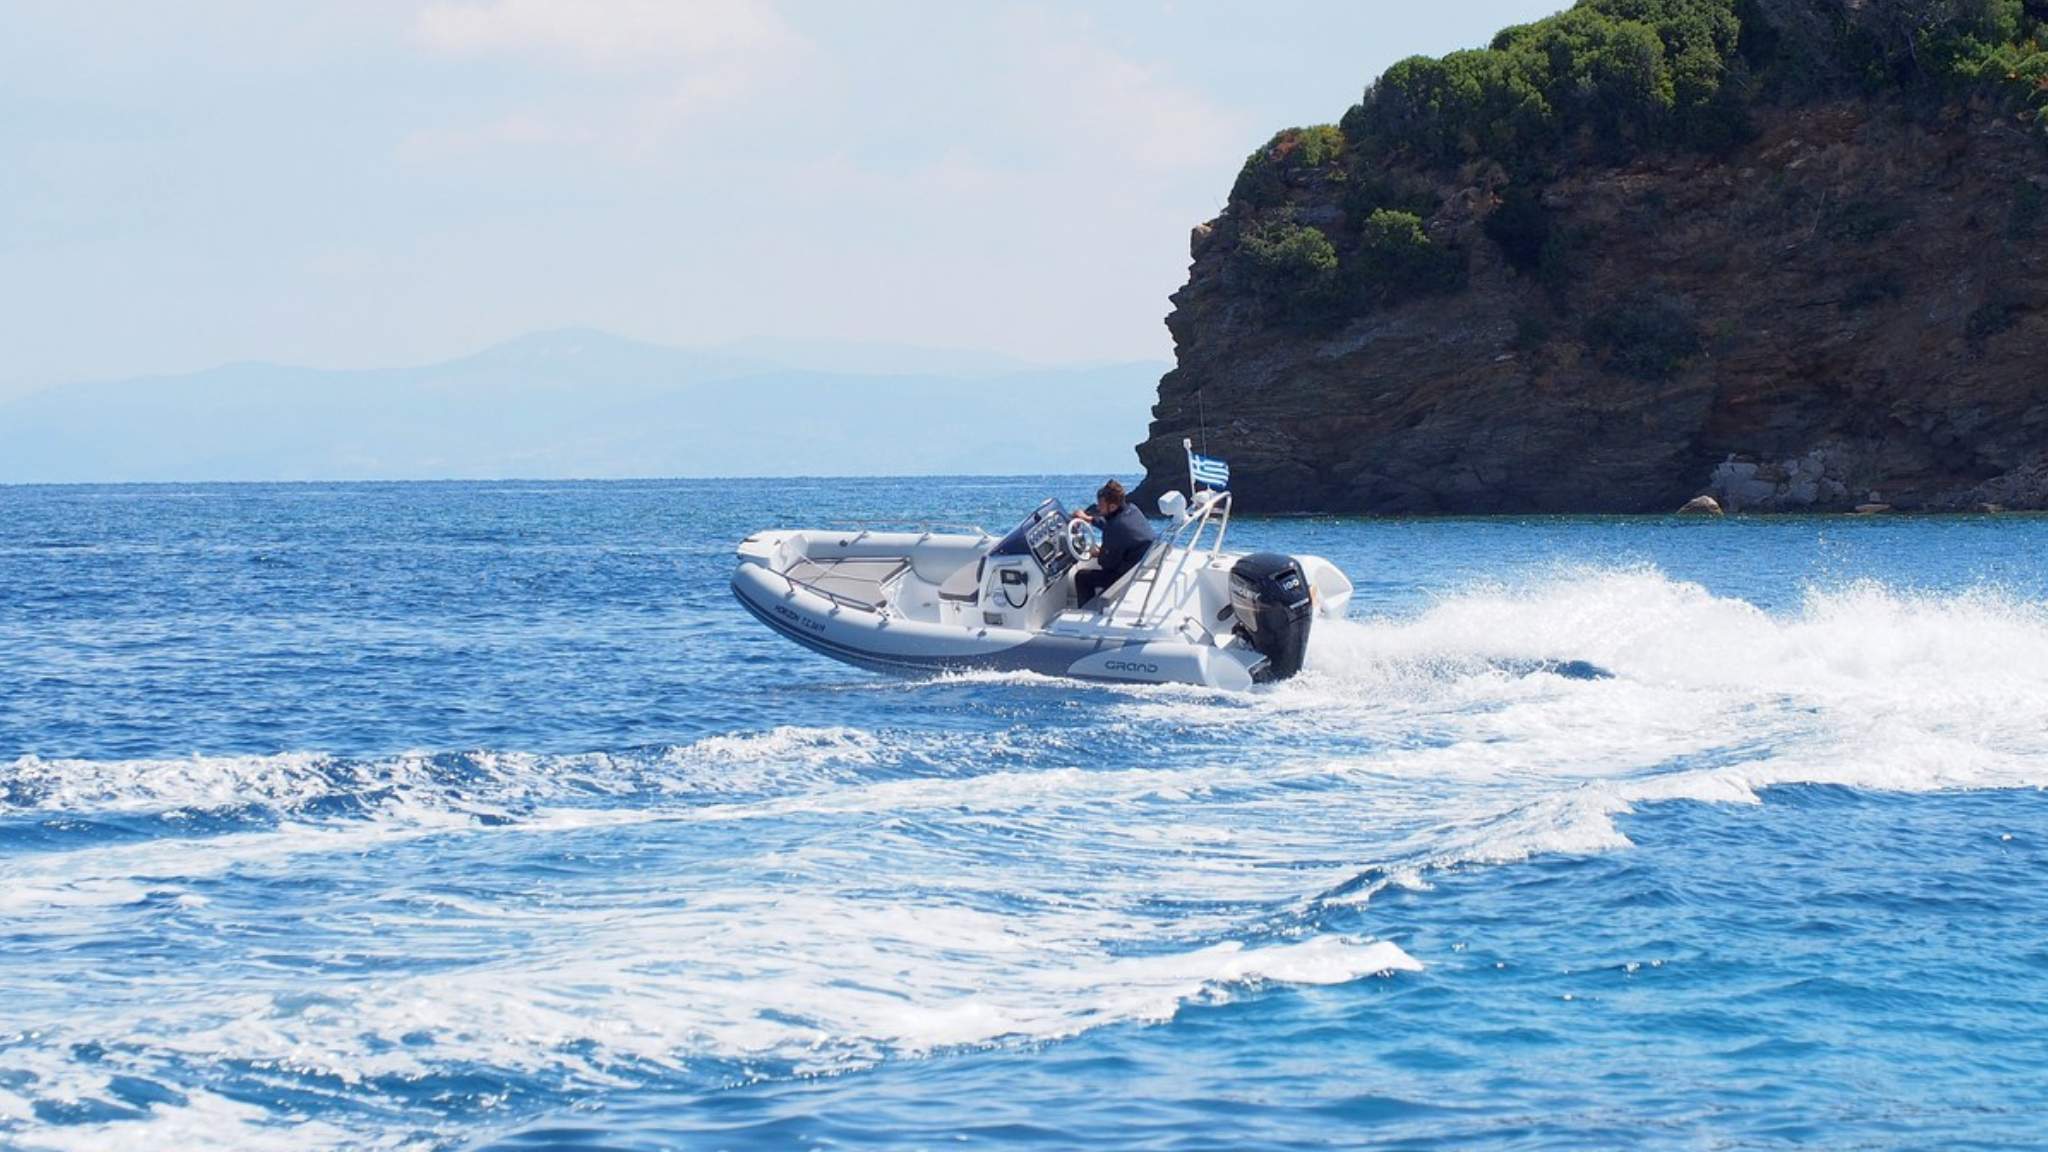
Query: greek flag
x: 1208, y: 471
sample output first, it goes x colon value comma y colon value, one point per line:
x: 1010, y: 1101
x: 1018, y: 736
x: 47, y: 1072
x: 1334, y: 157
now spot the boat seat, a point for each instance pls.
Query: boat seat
x: 860, y: 581
x: 964, y: 585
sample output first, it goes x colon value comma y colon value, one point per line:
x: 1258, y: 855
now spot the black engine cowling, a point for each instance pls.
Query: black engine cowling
x: 1269, y: 594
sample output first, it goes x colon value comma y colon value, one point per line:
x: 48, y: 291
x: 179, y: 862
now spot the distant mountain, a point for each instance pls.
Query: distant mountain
x: 843, y: 356
x: 580, y: 403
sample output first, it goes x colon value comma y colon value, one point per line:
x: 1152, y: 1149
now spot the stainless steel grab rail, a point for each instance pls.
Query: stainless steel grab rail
x: 1155, y: 558
x: 866, y: 527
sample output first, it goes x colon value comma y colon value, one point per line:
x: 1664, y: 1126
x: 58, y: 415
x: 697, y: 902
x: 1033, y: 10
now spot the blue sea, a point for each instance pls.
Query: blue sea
x: 479, y: 816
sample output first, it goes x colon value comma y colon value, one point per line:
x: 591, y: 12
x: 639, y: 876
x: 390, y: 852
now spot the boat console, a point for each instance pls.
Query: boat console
x: 1023, y: 580
x: 1042, y: 536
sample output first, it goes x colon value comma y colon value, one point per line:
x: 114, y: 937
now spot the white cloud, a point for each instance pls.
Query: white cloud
x: 647, y: 68
x: 605, y: 34
x: 1129, y: 112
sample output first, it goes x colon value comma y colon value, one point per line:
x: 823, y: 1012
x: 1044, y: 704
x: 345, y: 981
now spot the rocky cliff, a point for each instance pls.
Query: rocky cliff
x: 1845, y: 302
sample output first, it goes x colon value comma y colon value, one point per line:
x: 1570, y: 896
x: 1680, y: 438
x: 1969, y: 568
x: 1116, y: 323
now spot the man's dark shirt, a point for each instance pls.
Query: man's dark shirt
x: 1125, y: 536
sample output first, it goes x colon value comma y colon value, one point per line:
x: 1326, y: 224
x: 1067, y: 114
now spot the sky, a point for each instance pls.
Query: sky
x: 378, y: 183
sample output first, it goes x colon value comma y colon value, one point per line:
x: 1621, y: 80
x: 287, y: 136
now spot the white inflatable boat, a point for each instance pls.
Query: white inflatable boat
x: 926, y: 602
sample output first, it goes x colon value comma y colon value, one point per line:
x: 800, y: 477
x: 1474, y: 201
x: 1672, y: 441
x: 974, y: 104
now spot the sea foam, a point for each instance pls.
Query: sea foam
x: 812, y: 899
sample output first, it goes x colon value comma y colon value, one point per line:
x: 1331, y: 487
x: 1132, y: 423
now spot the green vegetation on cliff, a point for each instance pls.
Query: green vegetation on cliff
x: 1292, y: 269
x: 1264, y: 176
x: 1599, y: 83
x: 1629, y: 73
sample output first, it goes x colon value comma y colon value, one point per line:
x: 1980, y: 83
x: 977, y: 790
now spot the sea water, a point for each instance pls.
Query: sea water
x: 480, y: 816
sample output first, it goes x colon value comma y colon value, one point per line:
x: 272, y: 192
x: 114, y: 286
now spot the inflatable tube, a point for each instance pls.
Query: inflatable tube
x: 881, y: 641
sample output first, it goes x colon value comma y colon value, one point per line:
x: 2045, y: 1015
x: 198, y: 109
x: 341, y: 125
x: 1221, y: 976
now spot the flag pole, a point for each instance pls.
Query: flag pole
x: 1188, y: 446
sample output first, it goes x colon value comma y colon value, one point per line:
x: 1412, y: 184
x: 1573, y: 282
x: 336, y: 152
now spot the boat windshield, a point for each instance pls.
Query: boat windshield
x: 1039, y: 536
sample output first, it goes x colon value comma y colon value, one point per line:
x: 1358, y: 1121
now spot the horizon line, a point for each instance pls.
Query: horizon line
x: 559, y: 480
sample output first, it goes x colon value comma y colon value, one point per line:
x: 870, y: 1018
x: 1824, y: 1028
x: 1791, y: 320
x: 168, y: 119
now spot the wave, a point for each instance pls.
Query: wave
x: 1486, y: 692
x: 1706, y: 699
x: 1639, y: 623
x: 1547, y: 710
x: 809, y: 899
x: 482, y: 784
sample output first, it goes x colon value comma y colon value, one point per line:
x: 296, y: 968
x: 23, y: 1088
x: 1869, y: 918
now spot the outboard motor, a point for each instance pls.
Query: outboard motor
x: 1269, y: 593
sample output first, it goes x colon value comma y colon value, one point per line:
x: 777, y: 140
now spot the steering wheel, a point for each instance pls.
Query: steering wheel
x: 1080, y: 539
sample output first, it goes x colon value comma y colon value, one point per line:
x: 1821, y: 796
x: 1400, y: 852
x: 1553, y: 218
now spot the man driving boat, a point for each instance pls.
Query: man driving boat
x: 1126, y: 535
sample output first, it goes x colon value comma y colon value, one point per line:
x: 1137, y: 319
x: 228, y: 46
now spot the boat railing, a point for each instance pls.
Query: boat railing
x: 861, y: 528
x: 837, y: 600
x: 878, y: 604
x: 1183, y: 546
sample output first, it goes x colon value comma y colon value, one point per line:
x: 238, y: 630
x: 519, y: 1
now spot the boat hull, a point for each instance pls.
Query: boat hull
x: 884, y: 643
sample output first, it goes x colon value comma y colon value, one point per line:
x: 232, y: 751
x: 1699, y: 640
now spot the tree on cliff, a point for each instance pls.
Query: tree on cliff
x: 1634, y: 73
x: 1600, y: 82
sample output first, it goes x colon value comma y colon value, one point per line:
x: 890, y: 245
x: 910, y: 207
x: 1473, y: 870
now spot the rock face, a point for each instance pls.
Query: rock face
x: 1861, y: 297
